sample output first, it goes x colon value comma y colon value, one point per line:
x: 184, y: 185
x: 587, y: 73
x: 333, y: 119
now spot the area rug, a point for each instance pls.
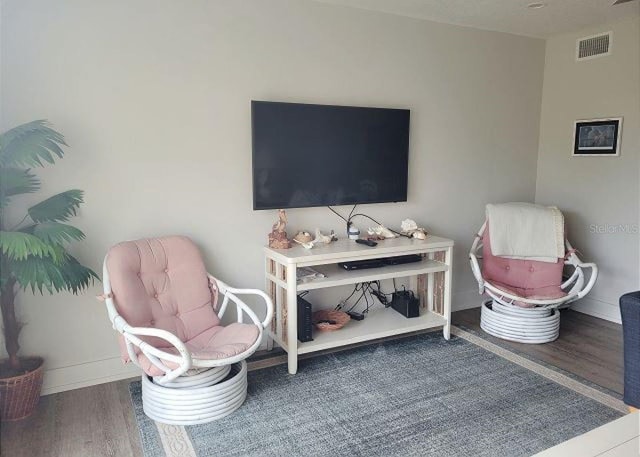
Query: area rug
x: 417, y: 396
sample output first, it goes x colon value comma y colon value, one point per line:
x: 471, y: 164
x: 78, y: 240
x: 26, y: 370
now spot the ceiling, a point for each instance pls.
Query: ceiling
x: 511, y: 16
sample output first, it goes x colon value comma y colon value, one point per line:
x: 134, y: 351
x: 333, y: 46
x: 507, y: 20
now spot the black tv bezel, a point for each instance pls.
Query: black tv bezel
x: 346, y: 203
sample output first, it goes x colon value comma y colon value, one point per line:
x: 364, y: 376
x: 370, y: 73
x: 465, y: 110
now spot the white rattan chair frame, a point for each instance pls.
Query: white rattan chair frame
x: 197, y: 390
x: 575, y: 286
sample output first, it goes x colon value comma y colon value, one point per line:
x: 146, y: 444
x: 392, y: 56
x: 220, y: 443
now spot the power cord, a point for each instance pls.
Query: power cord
x: 339, y: 215
x: 352, y: 216
x: 368, y: 290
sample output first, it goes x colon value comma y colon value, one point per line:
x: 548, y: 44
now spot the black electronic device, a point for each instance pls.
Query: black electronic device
x: 406, y: 303
x: 402, y: 259
x: 381, y: 262
x: 369, y: 243
x: 305, y: 322
x: 318, y: 155
x: 362, y: 264
x: 355, y: 315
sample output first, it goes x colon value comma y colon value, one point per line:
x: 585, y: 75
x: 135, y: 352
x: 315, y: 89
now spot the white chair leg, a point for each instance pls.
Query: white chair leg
x: 196, y: 401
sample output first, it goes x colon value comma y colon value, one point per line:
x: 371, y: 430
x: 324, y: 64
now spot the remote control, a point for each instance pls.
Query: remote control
x: 367, y: 242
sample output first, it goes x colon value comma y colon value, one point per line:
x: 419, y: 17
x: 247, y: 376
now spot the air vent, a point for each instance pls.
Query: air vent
x: 593, y: 46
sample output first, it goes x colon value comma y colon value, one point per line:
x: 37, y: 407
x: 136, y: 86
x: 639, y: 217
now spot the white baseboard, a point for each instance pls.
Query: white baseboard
x: 87, y: 374
x: 599, y: 308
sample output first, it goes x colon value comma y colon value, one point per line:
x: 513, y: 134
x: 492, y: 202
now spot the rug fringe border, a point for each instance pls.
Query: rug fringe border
x: 175, y: 440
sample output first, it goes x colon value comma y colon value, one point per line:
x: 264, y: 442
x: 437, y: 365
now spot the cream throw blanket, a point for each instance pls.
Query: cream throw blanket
x: 526, y: 231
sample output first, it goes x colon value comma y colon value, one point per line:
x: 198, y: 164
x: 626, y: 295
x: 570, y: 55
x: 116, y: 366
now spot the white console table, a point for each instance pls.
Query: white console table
x: 430, y: 279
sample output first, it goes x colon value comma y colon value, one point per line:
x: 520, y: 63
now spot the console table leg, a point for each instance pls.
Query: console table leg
x: 448, y: 259
x: 292, y: 319
x: 270, y: 289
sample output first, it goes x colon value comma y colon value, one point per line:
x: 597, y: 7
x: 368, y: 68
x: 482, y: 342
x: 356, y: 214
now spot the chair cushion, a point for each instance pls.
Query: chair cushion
x: 527, y: 275
x: 541, y: 293
x: 215, y: 343
x: 162, y: 283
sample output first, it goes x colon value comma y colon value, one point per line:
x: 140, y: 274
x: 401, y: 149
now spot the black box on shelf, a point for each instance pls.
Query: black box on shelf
x: 305, y: 321
x: 406, y: 303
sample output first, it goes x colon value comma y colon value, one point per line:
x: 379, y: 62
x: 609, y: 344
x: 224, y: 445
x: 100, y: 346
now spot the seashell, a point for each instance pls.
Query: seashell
x: 408, y: 225
x: 387, y: 233
x: 308, y: 245
x: 381, y: 230
x: 419, y: 234
x: 303, y: 237
x: 320, y: 238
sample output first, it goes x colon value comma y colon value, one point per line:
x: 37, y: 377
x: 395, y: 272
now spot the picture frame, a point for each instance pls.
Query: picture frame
x: 597, y: 137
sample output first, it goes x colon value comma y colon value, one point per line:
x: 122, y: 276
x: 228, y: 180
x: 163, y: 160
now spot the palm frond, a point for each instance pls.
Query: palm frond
x: 20, y: 246
x: 60, y: 207
x: 37, y: 274
x: 15, y: 181
x: 77, y: 277
x: 44, y: 274
x: 54, y: 232
x: 30, y: 144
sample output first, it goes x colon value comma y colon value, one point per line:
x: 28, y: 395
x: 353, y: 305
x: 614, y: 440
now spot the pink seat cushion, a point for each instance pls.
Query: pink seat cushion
x: 215, y: 343
x: 542, y: 293
x: 524, y: 278
x: 163, y: 283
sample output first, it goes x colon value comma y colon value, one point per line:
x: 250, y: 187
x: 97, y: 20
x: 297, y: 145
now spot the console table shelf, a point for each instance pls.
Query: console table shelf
x: 430, y: 280
x: 379, y: 323
x: 338, y: 276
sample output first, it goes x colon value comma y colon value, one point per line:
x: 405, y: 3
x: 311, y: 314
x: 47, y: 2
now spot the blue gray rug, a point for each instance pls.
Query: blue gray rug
x: 418, y: 396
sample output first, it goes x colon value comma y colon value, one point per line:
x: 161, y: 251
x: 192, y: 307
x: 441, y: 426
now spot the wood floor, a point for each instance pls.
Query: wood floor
x: 98, y: 421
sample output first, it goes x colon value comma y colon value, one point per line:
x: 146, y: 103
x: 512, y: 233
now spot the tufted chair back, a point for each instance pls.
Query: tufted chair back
x: 162, y: 283
x: 524, y: 276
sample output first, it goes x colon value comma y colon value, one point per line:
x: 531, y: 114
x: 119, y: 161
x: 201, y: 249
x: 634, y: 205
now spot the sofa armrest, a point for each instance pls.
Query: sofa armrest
x: 630, y: 312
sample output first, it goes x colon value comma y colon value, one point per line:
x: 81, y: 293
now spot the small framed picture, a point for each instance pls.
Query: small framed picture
x: 597, y: 137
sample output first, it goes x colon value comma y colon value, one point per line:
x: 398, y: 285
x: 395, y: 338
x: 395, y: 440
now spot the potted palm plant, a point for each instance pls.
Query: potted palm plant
x: 33, y: 253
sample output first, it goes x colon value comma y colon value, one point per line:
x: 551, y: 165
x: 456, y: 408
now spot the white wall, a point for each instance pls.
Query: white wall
x: 154, y: 99
x: 595, y: 193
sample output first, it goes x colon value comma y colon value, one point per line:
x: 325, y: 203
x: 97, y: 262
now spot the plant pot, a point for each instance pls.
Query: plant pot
x: 19, y: 395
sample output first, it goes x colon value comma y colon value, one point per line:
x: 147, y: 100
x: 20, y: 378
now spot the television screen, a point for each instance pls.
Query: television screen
x: 320, y: 155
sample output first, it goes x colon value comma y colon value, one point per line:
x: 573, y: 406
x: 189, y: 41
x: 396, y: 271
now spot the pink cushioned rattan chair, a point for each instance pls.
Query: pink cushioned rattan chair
x: 526, y: 294
x: 168, y: 310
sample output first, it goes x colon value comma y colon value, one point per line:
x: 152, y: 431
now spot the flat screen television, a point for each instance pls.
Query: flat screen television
x: 320, y: 155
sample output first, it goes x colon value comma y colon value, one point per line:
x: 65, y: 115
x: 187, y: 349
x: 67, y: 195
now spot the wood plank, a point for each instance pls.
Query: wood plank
x: 88, y: 422
x: 133, y: 433
x: 31, y: 437
x: 103, y: 433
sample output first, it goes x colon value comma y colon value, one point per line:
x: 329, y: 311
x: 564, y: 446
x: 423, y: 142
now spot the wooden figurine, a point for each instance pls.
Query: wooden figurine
x: 278, y: 236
